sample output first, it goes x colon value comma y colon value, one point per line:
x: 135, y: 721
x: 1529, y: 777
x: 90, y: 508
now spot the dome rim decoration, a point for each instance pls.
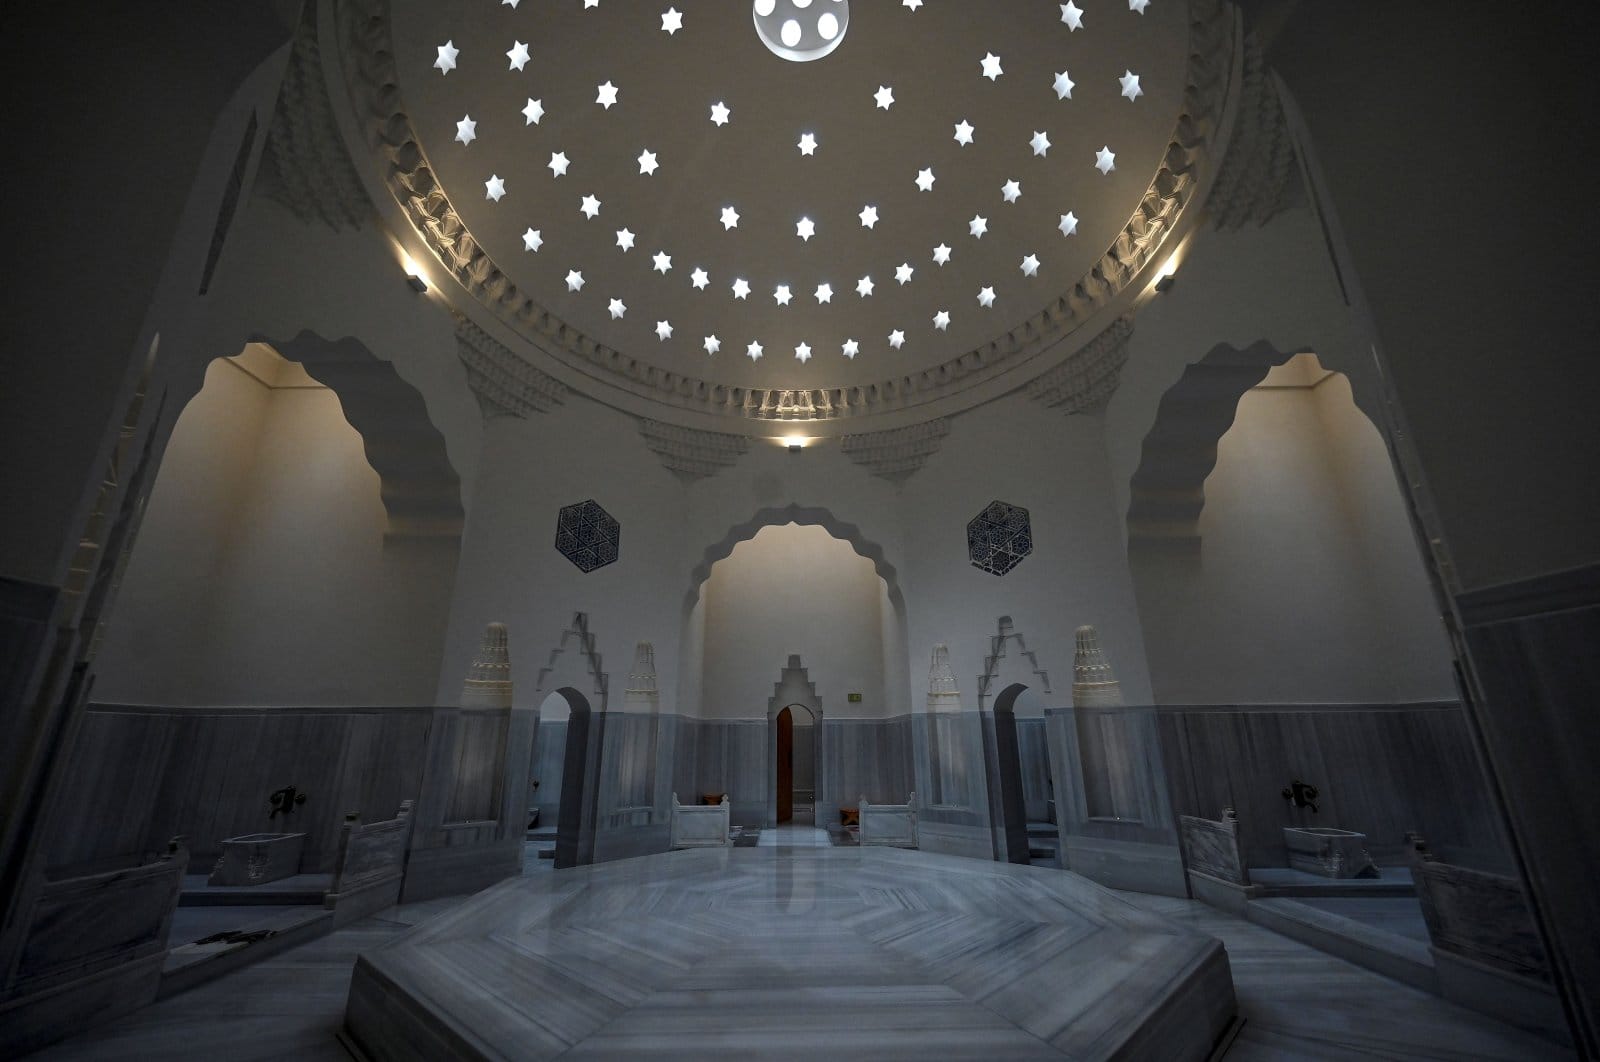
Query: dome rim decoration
x: 363, y: 62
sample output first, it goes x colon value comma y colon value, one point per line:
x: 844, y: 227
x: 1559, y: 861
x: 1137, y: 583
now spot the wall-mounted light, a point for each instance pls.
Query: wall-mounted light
x: 795, y: 443
x: 1168, y: 274
x: 414, y: 278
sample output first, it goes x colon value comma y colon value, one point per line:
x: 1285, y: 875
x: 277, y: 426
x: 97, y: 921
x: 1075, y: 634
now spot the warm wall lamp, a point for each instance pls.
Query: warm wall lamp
x: 1168, y: 275
x: 795, y: 443
x: 413, y: 275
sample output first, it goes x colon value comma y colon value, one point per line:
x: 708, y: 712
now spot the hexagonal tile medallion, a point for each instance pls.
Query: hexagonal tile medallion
x: 587, y: 535
x: 999, y: 537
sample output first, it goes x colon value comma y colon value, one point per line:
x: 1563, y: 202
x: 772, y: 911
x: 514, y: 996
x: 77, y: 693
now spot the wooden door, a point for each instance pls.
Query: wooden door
x: 785, y: 779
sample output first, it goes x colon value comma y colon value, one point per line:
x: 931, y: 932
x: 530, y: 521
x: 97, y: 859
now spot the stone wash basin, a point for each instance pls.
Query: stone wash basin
x: 1329, y: 852
x: 257, y: 858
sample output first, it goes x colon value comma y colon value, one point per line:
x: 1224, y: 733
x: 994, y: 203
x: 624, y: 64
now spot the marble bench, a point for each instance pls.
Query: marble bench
x: 698, y: 825
x: 889, y: 824
x: 370, y: 867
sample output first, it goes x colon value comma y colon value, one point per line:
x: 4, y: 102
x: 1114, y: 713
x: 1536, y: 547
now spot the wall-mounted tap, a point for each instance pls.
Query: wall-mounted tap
x: 284, y: 800
x: 1301, y: 795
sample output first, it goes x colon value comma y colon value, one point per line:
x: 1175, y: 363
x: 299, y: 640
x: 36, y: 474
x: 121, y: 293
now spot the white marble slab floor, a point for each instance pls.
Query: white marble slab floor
x: 794, y: 835
x: 1298, y: 1003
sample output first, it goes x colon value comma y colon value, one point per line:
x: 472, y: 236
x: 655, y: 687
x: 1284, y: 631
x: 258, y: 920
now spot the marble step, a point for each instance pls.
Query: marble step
x: 297, y: 889
x: 1402, y: 958
x: 1283, y: 881
x: 195, y: 964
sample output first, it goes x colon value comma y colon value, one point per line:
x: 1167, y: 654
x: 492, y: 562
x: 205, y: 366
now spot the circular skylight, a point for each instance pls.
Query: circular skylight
x: 801, y: 30
x: 660, y: 185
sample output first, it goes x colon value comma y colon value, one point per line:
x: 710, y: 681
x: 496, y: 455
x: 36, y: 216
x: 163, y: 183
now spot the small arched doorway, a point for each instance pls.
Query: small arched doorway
x: 796, y: 767
x: 1008, y: 807
x: 574, y: 844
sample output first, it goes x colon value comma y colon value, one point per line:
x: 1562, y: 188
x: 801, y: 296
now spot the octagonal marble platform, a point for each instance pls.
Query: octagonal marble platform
x: 793, y: 953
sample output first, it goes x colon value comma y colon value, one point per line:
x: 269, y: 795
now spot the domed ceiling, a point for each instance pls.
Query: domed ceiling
x: 791, y: 195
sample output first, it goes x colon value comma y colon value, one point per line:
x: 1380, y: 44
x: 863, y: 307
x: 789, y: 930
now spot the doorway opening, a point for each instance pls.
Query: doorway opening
x: 796, y: 780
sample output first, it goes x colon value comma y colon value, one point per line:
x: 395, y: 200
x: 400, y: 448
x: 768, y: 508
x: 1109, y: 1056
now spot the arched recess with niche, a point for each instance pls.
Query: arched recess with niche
x: 1271, y: 550
x: 863, y: 743
x: 300, y: 543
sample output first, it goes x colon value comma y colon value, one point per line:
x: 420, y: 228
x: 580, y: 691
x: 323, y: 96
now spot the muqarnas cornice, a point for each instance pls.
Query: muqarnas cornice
x: 588, y: 536
x: 504, y: 382
x: 689, y: 453
x: 305, y: 166
x: 1259, y: 176
x: 1086, y: 381
x: 367, y: 58
x: 896, y: 454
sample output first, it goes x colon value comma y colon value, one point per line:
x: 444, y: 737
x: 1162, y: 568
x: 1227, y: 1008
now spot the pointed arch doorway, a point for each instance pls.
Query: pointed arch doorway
x: 794, y: 724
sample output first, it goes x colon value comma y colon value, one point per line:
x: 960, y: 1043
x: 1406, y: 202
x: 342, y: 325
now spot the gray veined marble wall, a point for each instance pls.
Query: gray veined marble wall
x: 952, y: 788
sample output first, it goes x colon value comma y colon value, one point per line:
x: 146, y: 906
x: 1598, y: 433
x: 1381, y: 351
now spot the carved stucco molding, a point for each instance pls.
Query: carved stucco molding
x: 305, y: 166
x: 372, y: 79
x: 1004, y: 635
x: 896, y: 454
x: 503, y: 381
x: 1258, y: 178
x: 1086, y: 381
x: 691, y: 454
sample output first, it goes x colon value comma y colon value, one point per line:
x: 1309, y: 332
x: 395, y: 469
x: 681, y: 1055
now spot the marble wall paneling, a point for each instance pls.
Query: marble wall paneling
x: 731, y: 757
x: 1380, y: 770
x: 1038, y: 787
x: 864, y: 757
x: 207, y: 774
x: 548, y: 750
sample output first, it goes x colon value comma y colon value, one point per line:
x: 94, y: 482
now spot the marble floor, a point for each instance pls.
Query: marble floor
x: 794, y: 835
x: 1298, y: 1003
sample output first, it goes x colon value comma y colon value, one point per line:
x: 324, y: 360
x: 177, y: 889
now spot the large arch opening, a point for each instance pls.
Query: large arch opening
x: 795, y: 585
x: 286, y: 591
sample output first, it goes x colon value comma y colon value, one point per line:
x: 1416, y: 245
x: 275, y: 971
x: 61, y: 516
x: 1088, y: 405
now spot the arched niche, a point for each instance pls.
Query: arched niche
x: 253, y: 541
x: 575, y: 838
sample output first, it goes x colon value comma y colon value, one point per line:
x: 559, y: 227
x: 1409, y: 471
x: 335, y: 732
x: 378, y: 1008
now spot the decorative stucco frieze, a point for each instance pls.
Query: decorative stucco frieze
x: 1001, y: 643
x: 1259, y: 177
x: 305, y: 166
x: 504, y: 382
x: 943, y: 693
x: 895, y: 454
x: 1086, y: 381
x: 368, y: 62
x: 690, y: 454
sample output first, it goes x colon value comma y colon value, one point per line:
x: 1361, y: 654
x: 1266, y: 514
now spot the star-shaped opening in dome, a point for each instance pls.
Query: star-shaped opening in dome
x: 808, y: 144
x: 532, y: 240
x: 624, y: 236
x: 647, y: 162
x: 864, y: 287
x: 1011, y: 191
x: 802, y: 352
x: 663, y: 330
x: 884, y: 97
x: 781, y: 295
x: 533, y: 111
x: 850, y: 348
x: 720, y: 113
x: 558, y: 163
x: 1130, y: 85
x: 730, y: 218
x: 902, y: 273
x: 591, y: 210
x: 1030, y: 266
x: 574, y: 280
x: 1105, y: 160
x: 1072, y: 15
x: 494, y: 188
x: 1064, y: 86
x: 1069, y: 223
x: 518, y: 55
x: 448, y: 53
x: 991, y: 66
x: 941, y: 254
x: 741, y: 288
x: 897, y: 339
x: 964, y: 130
x: 617, y: 309
x: 824, y: 293
x: 1040, y: 144
x: 978, y: 226
x: 868, y: 216
x: 466, y: 130
x: 941, y: 321
x: 671, y: 21
x: 699, y: 278
x: 753, y: 350
x: 606, y: 95
x: 986, y: 297
x: 805, y: 228
x: 925, y: 179
x: 712, y: 344
x: 661, y: 261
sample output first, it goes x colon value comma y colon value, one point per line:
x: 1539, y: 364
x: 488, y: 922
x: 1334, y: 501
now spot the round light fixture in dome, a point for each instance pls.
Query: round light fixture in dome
x: 801, y: 30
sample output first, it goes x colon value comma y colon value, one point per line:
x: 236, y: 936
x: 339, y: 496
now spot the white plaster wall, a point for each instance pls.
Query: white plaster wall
x: 1308, y: 587
x: 261, y: 576
x: 793, y: 589
x: 1017, y: 451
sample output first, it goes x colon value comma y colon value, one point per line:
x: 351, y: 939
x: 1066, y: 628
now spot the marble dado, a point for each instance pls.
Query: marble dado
x: 141, y: 774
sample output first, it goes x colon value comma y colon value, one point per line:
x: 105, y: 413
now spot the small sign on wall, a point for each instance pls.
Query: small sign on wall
x: 853, y: 698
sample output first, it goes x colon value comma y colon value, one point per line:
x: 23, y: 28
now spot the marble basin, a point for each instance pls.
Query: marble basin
x: 257, y: 858
x: 1330, y: 852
